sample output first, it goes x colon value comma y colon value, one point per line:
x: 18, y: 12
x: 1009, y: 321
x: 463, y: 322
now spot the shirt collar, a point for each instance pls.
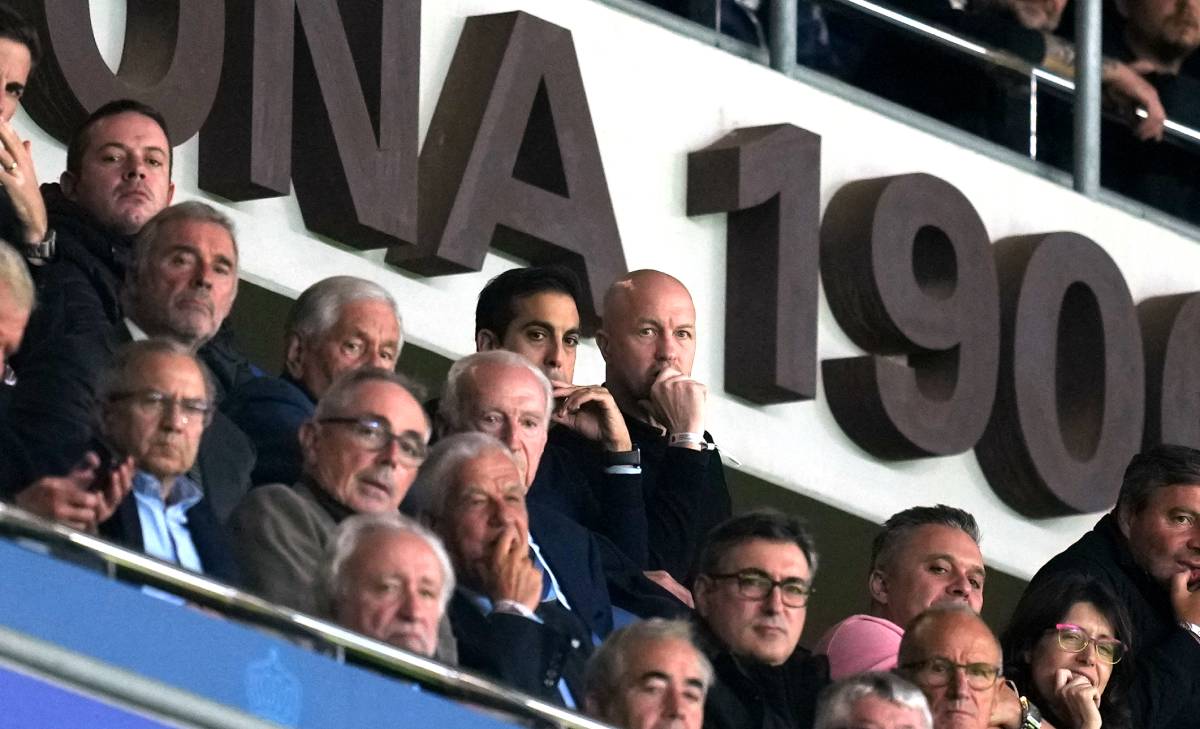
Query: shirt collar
x: 184, y: 493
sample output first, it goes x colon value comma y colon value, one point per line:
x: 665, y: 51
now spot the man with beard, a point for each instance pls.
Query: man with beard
x: 362, y: 448
x: 1148, y: 551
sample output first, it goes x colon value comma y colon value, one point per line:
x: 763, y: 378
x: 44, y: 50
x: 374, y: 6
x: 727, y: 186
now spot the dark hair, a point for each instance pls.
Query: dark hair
x: 496, y: 310
x: 82, y: 137
x: 16, y: 28
x: 1162, y: 465
x: 901, y: 524
x: 768, y: 524
x: 1041, y: 607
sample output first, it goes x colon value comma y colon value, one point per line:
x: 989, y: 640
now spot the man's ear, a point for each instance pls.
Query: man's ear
x: 486, y: 340
x: 293, y: 356
x: 602, y: 343
x: 1124, y: 518
x: 308, y: 437
x: 700, y: 594
x: 67, y: 182
x: 878, y: 587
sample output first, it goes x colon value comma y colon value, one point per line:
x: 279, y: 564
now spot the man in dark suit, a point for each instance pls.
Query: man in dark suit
x: 181, y: 284
x: 338, y: 324
x: 156, y: 400
x: 531, y: 601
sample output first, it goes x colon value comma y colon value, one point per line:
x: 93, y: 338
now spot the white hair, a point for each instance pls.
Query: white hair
x: 346, y: 541
x: 452, y: 412
x: 319, y: 307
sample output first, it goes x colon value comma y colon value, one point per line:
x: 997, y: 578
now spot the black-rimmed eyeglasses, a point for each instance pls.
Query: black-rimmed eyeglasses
x: 756, y: 585
x: 375, y: 435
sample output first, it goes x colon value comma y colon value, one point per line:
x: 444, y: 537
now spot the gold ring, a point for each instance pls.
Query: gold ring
x: 13, y: 166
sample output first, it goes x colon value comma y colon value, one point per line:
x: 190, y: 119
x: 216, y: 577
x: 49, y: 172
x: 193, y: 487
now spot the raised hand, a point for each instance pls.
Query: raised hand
x: 591, y: 411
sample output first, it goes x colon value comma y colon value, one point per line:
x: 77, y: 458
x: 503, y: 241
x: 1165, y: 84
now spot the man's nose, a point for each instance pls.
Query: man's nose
x: 957, y: 685
x: 135, y: 167
x: 377, y: 358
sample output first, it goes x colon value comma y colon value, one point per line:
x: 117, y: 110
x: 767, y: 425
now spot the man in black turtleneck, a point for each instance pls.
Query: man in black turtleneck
x: 754, y: 579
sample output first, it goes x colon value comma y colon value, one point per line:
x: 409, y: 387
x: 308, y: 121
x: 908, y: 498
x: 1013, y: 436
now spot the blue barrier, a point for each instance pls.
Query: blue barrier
x: 207, y: 655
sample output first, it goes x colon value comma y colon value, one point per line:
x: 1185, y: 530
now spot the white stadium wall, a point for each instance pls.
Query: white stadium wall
x: 655, y: 96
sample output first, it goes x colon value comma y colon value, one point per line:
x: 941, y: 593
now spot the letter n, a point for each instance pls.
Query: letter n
x: 323, y: 94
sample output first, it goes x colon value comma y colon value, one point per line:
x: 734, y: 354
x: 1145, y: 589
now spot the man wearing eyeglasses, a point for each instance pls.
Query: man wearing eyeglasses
x: 156, y: 401
x: 361, y: 449
x: 952, y: 655
x: 182, y: 282
x: 754, y: 581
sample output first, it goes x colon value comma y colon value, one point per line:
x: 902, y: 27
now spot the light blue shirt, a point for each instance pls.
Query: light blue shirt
x: 550, y: 593
x: 164, y: 524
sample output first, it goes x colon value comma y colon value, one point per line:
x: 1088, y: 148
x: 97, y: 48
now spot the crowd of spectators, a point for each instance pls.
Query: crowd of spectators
x: 1150, y: 72
x: 573, y: 541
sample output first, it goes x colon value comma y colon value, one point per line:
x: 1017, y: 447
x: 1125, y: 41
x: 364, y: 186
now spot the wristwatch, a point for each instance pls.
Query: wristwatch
x: 1031, y: 718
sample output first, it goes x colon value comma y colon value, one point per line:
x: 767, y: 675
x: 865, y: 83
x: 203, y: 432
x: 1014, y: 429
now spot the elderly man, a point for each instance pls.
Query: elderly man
x: 876, y: 700
x: 182, y: 281
x: 500, y: 393
x: 338, y: 324
x: 925, y: 556
x: 389, y: 578
x: 362, y: 448
x: 522, y: 613
x: 648, y: 341
x: 752, y: 589
x: 649, y: 675
x: 156, y: 400
x: 534, y: 312
x: 952, y: 655
x: 1147, y: 550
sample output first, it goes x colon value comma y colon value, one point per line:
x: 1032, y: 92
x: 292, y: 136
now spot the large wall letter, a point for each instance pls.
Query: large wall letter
x: 511, y: 159
x: 1171, y: 336
x: 348, y: 137
x: 1068, y: 414
x: 769, y: 181
x: 909, y: 277
x: 171, y: 61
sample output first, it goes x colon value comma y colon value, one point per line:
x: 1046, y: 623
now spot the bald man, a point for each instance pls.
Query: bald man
x: 648, y: 340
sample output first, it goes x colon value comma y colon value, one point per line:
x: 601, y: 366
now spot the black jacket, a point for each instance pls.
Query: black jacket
x: 1166, y: 685
x: 751, y: 695
x: 210, y: 537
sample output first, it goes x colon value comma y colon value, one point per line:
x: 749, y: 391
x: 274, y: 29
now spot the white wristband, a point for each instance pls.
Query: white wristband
x: 689, y: 439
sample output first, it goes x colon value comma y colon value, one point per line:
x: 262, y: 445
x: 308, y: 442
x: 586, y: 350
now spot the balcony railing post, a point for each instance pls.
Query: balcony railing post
x: 1087, y: 97
x: 784, y: 20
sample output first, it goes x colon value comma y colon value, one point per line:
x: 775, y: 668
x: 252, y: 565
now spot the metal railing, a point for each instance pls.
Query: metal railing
x: 1084, y: 89
x: 118, y: 561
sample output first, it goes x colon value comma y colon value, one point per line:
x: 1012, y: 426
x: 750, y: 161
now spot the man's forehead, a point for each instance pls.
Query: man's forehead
x: 507, y: 385
x: 959, y: 637
x: 784, y: 558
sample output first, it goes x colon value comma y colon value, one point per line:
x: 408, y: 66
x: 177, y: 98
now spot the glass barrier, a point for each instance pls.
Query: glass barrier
x: 44, y: 611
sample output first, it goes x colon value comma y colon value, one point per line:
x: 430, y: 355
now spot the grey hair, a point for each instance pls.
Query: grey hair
x: 426, y: 498
x: 902, y: 524
x: 127, y: 362
x: 318, y: 308
x: 14, y: 276
x: 340, y: 396
x: 602, y: 679
x: 192, y: 210
x: 452, y: 410
x: 351, y: 533
x: 837, y: 701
